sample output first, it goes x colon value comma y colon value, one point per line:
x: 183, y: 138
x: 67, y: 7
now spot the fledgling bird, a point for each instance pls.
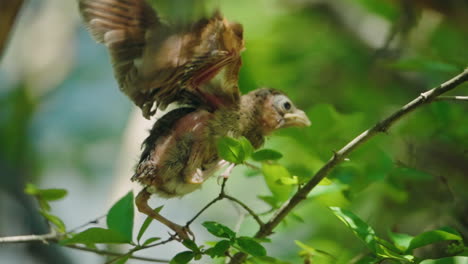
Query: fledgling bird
x: 157, y: 64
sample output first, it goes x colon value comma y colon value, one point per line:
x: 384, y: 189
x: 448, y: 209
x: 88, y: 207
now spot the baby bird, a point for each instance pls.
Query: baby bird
x: 156, y: 64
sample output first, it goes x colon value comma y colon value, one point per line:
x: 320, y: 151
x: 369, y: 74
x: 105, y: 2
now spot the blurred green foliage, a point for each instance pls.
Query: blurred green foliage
x: 405, y: 182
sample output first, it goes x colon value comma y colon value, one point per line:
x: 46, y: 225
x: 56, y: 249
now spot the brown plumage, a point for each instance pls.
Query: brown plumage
x: 155, y: 64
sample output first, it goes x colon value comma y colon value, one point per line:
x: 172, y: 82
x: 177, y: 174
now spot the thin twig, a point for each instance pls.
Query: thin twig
x: 49, y: 237
x: 243, y: 205
x: 252, y: 166
x: 451, y: 98
x: 138, y: 248
x: 115, y: 254
x: 339, y: 156
x: 170, y: 239
x: 239, y: 222
x: 128, y: 254
x: 218, y: 198
x: 228, y: 171
x: 52, y: 236
x: 94, y: 221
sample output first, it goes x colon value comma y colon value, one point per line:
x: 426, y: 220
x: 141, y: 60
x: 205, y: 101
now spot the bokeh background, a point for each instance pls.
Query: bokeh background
x: 348, y: 63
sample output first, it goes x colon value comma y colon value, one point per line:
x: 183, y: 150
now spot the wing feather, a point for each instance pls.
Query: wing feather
x: 156, y: 65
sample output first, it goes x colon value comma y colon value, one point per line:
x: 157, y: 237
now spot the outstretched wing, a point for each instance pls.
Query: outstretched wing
x: 121, y: 25
x: 156, y: 64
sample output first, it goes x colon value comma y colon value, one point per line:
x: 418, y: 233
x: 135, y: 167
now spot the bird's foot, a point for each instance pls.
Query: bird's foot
x: 182, y: 233
x: 228, y: 171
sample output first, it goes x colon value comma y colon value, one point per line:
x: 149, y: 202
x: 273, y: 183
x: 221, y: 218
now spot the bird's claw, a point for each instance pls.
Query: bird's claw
x: 228, y: 171
x: 183, y: 233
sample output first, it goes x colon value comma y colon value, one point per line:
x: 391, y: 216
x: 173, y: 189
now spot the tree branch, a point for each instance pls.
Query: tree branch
x: 267, y: 228
x: 115, y: 254
x: 218, y: 198
x: 243, y: 205
x: 52, y: 236
x: 338, y: 157
x: 92, y: 222
x: 452, y: 98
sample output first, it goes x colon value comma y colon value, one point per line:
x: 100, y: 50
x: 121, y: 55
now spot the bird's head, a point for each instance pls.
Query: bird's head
x: 274, y: 110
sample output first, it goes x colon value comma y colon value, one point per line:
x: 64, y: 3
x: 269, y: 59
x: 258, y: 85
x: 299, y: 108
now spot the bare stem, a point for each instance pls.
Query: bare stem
x: 243, y: 205
x: 452, y: 98
x: 94, y: 221
x: 115, y: 254
x: 252, y: 166
x: 45, y: 238
x: 170, y: 239
x: 218, y: 198
x: 54, y: 237
x: 382, y: 126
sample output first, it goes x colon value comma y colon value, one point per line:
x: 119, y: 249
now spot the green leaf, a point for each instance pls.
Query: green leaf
x: 401, y: 241
x: 247, y: 147
x: 54, y: 220
x: 120, y: 216
x: 387, y: 250
x: 198, y: 256
x: 43, y: 204
x: 297, y: 217
x: 219, y: 230
x: 362, y: 230
x: 411, y: 174
x: 433, y: 236
x: 307, y: 249
x: 233, y: 150
x: 250, y: 246
x: 91, y: 246
x: 146, y: 223
x: 288, y: 180
x: 382, y: 8
x: 266, y: 154
x: 46, y: 194
x: 97, y: 235
x: 219, y: 249
x: 368, y: 260
x: 182, y: 257
x: 265, y: 260
x: 151, y: 240
x: 272, y: 173
x: 457, y: 248
x: 190, y: 244
x: 424, y: 64
x: 31, y: 189
x: 325, y: 182
x: 53, y: 194
x: 123, y: 260
x: 270, y: 200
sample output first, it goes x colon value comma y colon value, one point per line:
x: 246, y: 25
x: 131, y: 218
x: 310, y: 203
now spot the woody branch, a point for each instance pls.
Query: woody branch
x: 381, y: 126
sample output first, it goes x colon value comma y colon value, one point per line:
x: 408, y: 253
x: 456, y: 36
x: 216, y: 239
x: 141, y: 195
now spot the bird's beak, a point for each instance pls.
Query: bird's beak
x: 297, y: 118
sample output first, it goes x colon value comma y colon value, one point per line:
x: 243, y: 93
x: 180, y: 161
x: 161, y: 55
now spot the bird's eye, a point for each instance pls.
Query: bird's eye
x: 283, y: 104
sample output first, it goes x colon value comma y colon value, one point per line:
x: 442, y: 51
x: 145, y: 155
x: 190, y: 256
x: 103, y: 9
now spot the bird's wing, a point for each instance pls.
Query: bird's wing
x: 121, y: 25
x: 159, y: 64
